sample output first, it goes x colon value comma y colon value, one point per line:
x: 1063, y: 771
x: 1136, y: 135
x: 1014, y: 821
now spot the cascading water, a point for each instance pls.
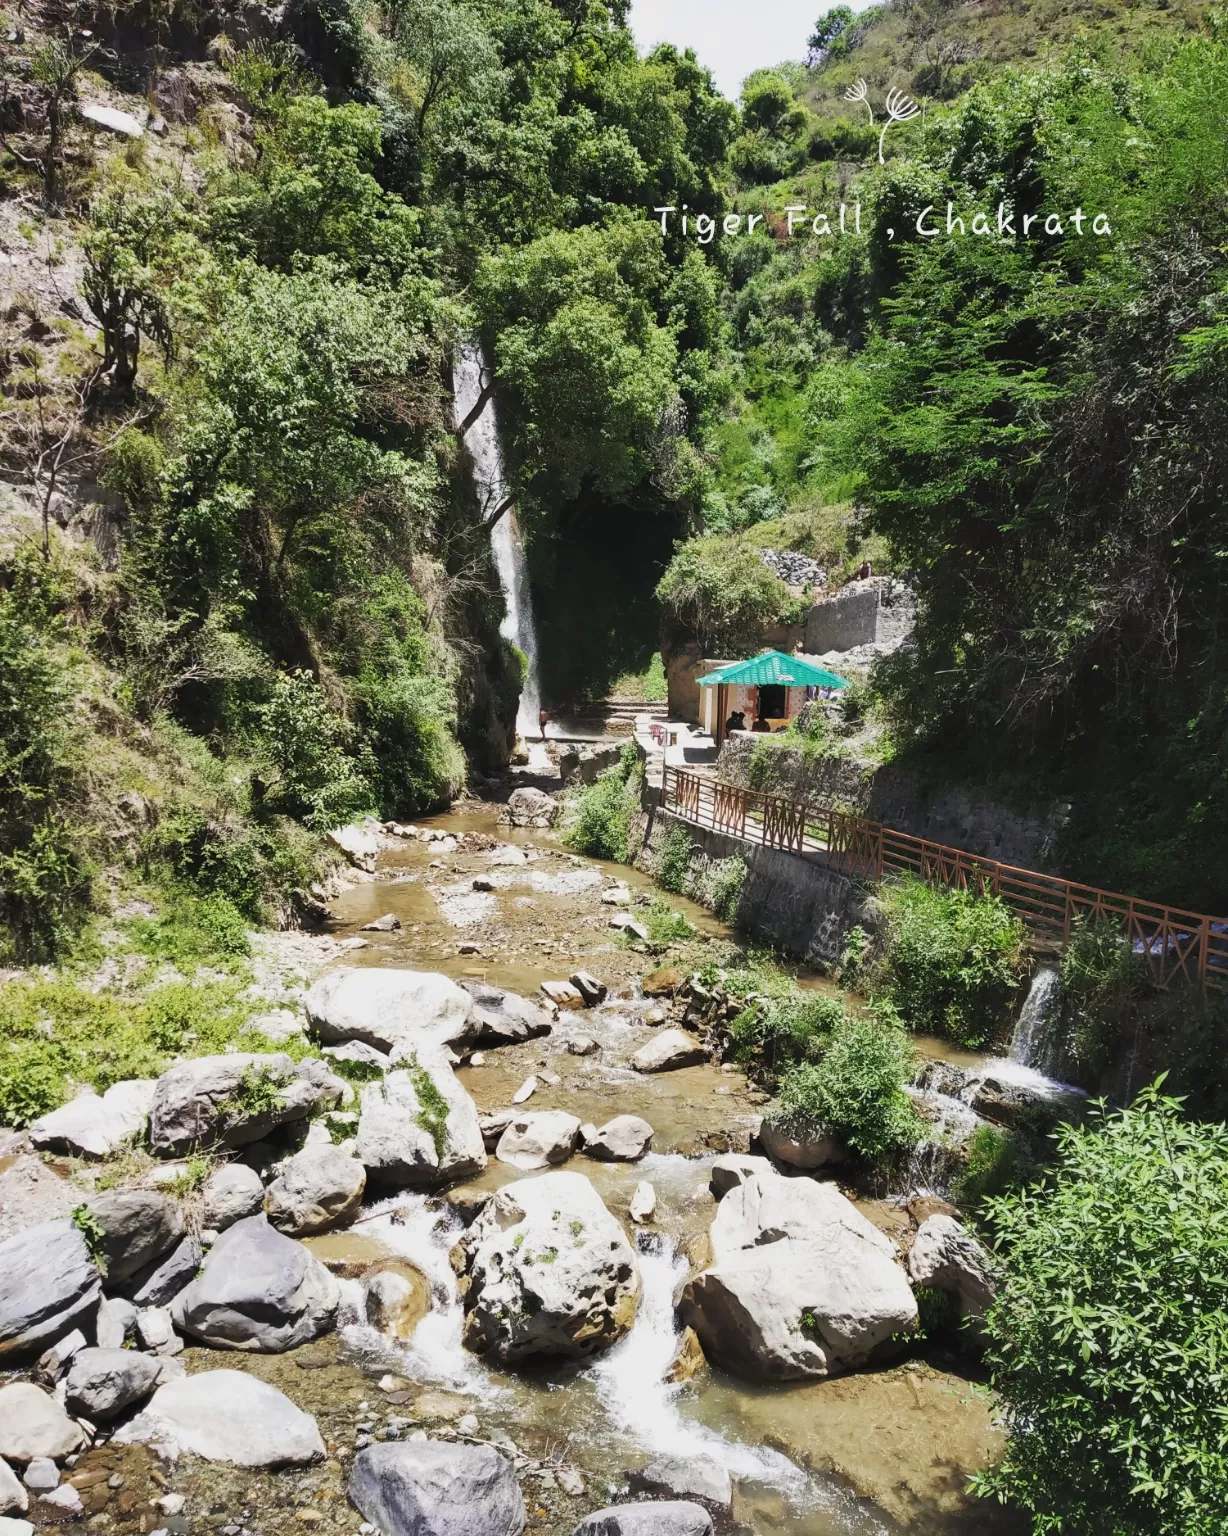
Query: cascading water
x: 469, y: 376
x: 1035, y: 1042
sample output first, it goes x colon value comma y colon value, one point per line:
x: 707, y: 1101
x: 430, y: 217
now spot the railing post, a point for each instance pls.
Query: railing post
x: 1204, y: 950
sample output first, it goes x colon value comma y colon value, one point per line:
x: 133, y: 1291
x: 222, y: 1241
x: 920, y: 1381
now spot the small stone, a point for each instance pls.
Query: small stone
x: 643, y: 1204
x: 354, y: 943
x: 63, y: 1497
x: 562, y: 994
x: 570, y: 1481
x: 582, y: 1045
x: 468, y: 1425
x: 389, y: 923
x: 42, y: 1475
x: 156, y: 1331
x: 468, y: 948
x: 483, y: 883
x: 478, y: 1059
x: 525, y: 1091
x: 663, y: 983
x: 589, y: 988
x: 171, y: 1503
x: 551, y: 1079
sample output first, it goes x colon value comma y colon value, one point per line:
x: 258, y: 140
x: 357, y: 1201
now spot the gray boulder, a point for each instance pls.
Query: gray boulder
x: 95, y: 1125
x: 685, y: 1477
x: 503, y: 1018
x: 529, y: 808
x: 419, y: 1126
x: 624, y: 1139
x: 54, y: 1362
x: 155, y: 1331
x: 103, y: 1382
x: 361, y: 845
x: 236, y: 1099
x: 318, y: 1188
x: 48, y: 1285
x: 664, y: 1518
x: 435, y: 1488
x: 589, y: 987
x: 12, y: 1495
x: 227, y: 1416
x: 115, y: 1322
x: 139, y: 1226
x: 231, y: 1193
x: 946, y: 1256
x: 549, y: 1272
x: 666, y: 1052
x: 258, y: 1291
x: 387, y: 1009
x: 162, y: 1281
x: 33, y: 1423
x: 537, y: 1139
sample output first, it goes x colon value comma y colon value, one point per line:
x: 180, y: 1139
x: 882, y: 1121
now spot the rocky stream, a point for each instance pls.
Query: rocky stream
x: 506, y: 1256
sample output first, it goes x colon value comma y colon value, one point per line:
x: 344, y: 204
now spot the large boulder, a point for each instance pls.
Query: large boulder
x: 945, y: 1255
x: 95, y: 1125
x: 236, y: 1099
x: 394, y: 1011
x: 666, y: 1052
x: 549, y: 1272
x: 801, y: 1284
x: 433, y: 1488
x: 814, y: 1149
x: 624, y: 1139
x: 227, y: 1416
x: 669, y: 1517
x: 33, y: 1423
x: 529, y: 808
x: 685, y: 1477
x: 419, y: 1126
x: 231, y: 1193
x: 162, y: 1280
x: 318, y: 1188
x: 537, y: 1139
x: 49, y: 1284
x: 258, y: 1291
x: 131, y: 1229
x: 503, y: 1018
x: 361, y: 846
x: 103, y: 1382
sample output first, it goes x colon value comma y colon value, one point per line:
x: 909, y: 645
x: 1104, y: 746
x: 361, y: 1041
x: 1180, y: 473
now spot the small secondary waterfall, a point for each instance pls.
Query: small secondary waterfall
x: 1034, y: 1043
x: 482, y: 440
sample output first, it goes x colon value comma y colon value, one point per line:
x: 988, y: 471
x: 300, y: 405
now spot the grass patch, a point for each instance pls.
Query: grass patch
x: 432, y: 1116
x: 674, y: 859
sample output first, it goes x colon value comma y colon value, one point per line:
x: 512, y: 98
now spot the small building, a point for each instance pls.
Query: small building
x: 771, y: 687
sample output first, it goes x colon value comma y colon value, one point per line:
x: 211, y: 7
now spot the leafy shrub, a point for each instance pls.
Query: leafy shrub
x: 597, y: 817
x: 953, y: 960
x: 312, y: 777
x: 856, y: 1089
x: 995, y: 1164
x: 215, y: 859
x: 1109, y: 1330
x: 192, y: 931
x: 674, y: 859
x: 720, y: 886
x: 775, y: 1032
x: 1102, y: 982
x: 665, y: 926
x: 721, y: 592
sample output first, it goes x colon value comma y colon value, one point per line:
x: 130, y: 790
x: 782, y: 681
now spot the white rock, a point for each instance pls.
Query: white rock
x: 431, y: 1488
x: 12, y: 1495
x: 946, y: 1255
x: 115, y: 1322
x: 537, y: 1140
x: 685, y: 1477
x: 279, y: 1026
x: 318, y: 1188
x: 562, y: 994
x: 156, y: 1330
x: 526, y: 1090
x: 33, y: 1423
x: 389, y: 923
x: 732, y: 1169
x: 64, y: 1497
x: 171, y: 1503
x: 625, y: 1139
x: 401, y: 1140
x: 666, y: 1052
x: 616, y: 896
x: 113, y: 119
x: 529, y: 808
x: 391, y: 1009
x: 227, y: 1416
x: 643, y: 1205
x: 359, y: 846
x: 96, y: 1125
x: 12, y: 1527
x: 42, y: 1475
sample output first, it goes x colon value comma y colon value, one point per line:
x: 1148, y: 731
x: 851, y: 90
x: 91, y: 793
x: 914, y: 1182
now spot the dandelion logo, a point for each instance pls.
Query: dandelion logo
x: 900, y: 108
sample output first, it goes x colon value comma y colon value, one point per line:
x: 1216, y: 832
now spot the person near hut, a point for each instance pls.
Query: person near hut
x: 736, y: 721
x: 761, y: 726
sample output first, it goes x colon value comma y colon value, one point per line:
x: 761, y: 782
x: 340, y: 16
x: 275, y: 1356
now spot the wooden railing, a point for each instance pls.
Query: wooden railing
x: 1175, y: 945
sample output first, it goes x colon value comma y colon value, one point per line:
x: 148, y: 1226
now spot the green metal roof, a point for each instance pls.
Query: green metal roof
x: 773, y: 667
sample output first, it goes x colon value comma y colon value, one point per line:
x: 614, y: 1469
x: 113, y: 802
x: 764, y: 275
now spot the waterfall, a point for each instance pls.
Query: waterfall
x: 1035, y: 1042
x: 482, y: 441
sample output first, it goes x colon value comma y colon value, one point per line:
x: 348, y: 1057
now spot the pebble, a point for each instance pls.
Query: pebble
x: 478, y: 1059
x: 525, y: 1091
x: 570, y: 1481
x: 468, y: 1425
x: 171, y: 1503
x: 42, y: 1475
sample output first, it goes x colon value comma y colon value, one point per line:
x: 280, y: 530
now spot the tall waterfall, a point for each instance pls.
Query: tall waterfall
x: 482, y: 440
x: 1035, y: 1042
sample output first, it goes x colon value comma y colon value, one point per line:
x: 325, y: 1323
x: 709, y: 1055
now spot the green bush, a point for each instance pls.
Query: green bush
x: 718, y: 590
x: 953, y: 961
x: 856, y: 1089
x: 597, y: 817
x: 310, y: 775
x: 1103, y: 981
x: 665, y: 926
x: 192, y: 931
x: 1110, y: 1329
x: 721, y: 886
x: 674, y: 859
x: 995, y: 1164
x: 776, y: 1032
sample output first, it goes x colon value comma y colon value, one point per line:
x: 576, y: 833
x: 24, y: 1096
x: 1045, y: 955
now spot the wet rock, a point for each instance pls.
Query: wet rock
x: 589, y: 988
x: 643, y: 1204
x: 12, y: 1495
x: 814, y: 1150
x: 431, y: 1488
x: 582, y: 1045
x: 162, y: 1281
x: 688, y: 1358
x: 652, y: 1518
x: 95, y: 1125
x: 503, y: 1018
x: 733, y: 1169
x: 395, y: 1302
x: 55, y: 1361
x: 921, y: 1207
x: 945, y: 1255
x: 1014, y: 1103
x: 624, y: 1139
x: 235, y: 1099
x: 800, y: 1285
x: 258, y: 1291
x: 33, y: 1423
x: 685, y: 1477
x: 550, y: 1272
x: 318, y: 1188
x: 467, y: 1203
x: 48, y: 1285
x: 115, y: 1322
x: 420, y: 1127
x: 138, y: 1226
x: 392, y: 1010
x: 103, y: 1382
x: 666, y: 1052
x: 361, y: 847
x: 227, y: 1416
x: 663, y: 983
x: 230, y: 1194
x: 389, y: 923
x: 529, y: 808
x: 563, y: 995
x: 537, y: 1140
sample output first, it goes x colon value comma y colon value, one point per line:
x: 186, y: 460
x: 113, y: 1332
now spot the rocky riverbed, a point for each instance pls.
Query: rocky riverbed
x: 484, y: 1285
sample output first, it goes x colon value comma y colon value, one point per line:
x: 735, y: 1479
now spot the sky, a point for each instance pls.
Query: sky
x: 732, y: 37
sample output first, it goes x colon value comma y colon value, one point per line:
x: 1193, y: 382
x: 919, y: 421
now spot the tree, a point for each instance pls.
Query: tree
x: 828, y: 38
x: 1109, y: 1336
x: 129, y: 251
x: 54, y: 66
